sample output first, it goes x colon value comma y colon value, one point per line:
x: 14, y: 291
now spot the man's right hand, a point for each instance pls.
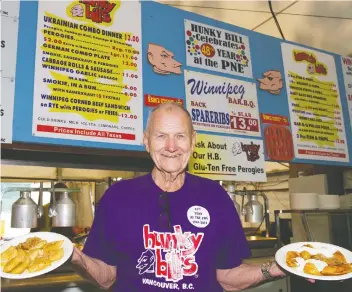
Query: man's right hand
x: 94, y: 270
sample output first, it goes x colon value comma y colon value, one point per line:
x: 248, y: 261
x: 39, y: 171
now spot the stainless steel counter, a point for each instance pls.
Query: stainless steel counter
x: 49, y: 280
x: 69, y: 279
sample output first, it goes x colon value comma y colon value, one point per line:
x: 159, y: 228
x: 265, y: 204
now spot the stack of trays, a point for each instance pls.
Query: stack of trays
x: 311, y: 201
x: 303, y: 201
x: 328, y: 201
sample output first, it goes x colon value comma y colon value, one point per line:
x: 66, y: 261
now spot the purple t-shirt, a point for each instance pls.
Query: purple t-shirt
x: 129, y: 232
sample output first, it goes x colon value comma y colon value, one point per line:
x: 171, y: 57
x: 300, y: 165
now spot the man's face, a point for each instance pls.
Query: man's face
x: 170, y: 140
x: 163, y: 60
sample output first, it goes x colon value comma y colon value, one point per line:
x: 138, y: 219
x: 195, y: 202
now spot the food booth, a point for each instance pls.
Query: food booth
x: 81, y: 78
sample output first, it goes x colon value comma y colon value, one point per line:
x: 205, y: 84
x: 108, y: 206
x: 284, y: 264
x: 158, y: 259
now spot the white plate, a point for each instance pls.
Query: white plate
x: 319, y: 247
x: 49, y: 236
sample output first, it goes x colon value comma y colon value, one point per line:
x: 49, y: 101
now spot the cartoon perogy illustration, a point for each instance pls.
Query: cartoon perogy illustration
x: 236, y: 149
x: 162, y: 60
x: 146, y: 262
x: 272, y: 82
x: 77, y: 10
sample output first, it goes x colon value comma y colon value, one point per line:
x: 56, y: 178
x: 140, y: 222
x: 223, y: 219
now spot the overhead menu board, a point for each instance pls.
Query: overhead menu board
x: 88, y: 71
x: 9, y: 32
x: 315, y: 107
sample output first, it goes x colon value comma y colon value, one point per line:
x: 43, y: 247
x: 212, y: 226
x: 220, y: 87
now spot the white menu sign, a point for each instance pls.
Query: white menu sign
x: 222, y: 105
x: 211, y: 48
x: 228, y: 158
x: 347, y: 76
x: 9, y: 35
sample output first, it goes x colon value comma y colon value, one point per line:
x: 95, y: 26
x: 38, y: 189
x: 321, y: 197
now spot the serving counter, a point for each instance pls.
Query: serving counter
x: 65, y: 279
x: 62, y: 279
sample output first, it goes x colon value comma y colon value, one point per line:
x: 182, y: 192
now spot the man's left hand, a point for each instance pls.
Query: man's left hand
x: 275, y: 271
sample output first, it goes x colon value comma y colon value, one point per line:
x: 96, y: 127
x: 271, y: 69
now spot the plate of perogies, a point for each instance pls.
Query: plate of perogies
x: 316, y: 260
x: 34, y: 254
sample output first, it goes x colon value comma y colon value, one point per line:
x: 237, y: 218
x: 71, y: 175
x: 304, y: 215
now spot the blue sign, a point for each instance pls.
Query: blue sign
x: 248, y: 84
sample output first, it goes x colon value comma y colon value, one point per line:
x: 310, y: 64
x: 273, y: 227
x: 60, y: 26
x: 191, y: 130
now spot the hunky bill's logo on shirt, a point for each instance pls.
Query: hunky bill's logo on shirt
x: 170, y: 256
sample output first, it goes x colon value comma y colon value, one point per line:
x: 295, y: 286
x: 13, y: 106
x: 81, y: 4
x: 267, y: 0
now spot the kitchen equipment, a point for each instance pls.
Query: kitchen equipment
x: 328, y: 201
x: 256, y: 209
x: 318, y: 227
x: 100, y: 189
x: 24, y: 212
x: 253, y: 209
x: 65, y: 210
x: 40, y: 201
x: 303, y: 201
x: 231, y: 193
x: 261, y: 246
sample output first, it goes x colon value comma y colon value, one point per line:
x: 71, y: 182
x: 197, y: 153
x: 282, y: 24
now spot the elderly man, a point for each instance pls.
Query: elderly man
x: 169, y: 230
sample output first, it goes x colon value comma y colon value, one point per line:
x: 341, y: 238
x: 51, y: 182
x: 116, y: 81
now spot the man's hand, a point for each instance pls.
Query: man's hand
x: 94, y: 270
x: 275, y: 271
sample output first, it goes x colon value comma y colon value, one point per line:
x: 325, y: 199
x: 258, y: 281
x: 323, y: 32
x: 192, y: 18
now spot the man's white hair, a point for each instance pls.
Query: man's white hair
x: 168, y: 106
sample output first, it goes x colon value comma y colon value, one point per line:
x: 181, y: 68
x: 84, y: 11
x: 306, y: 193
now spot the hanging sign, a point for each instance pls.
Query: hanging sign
x: 277, y: 137
x: 9, y: 35
x: 317, y: 121
x: 228, y: 158
x: 215, y: 49
x: 223, y: 105
x: 152, y: 100
x: 88, y: 71
x: 347, y: 76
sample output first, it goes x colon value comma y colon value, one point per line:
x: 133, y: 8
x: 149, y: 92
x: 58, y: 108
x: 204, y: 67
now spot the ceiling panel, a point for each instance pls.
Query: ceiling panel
x: 239, y: 18
x: 322, y: 31
x: 323, y: 8
x: 332, y: 35
x: 241, y: 5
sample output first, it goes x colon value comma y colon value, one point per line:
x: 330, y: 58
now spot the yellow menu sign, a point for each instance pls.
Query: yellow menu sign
x: 88, y: 72
x: 315, y: 107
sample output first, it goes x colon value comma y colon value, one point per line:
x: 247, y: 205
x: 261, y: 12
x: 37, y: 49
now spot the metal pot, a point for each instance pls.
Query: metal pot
x: 253, y: 210
x: 24, y: 212
x: 65, y: 211
x: 231, y: 193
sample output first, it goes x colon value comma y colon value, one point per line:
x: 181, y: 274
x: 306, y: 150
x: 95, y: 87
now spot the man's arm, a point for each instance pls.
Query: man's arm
x: 94, y: 270
x: 245, y: 276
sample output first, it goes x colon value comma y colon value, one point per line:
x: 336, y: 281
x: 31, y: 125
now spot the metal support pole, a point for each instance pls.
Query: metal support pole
x: 306, y: 226
x: 278, y: 229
